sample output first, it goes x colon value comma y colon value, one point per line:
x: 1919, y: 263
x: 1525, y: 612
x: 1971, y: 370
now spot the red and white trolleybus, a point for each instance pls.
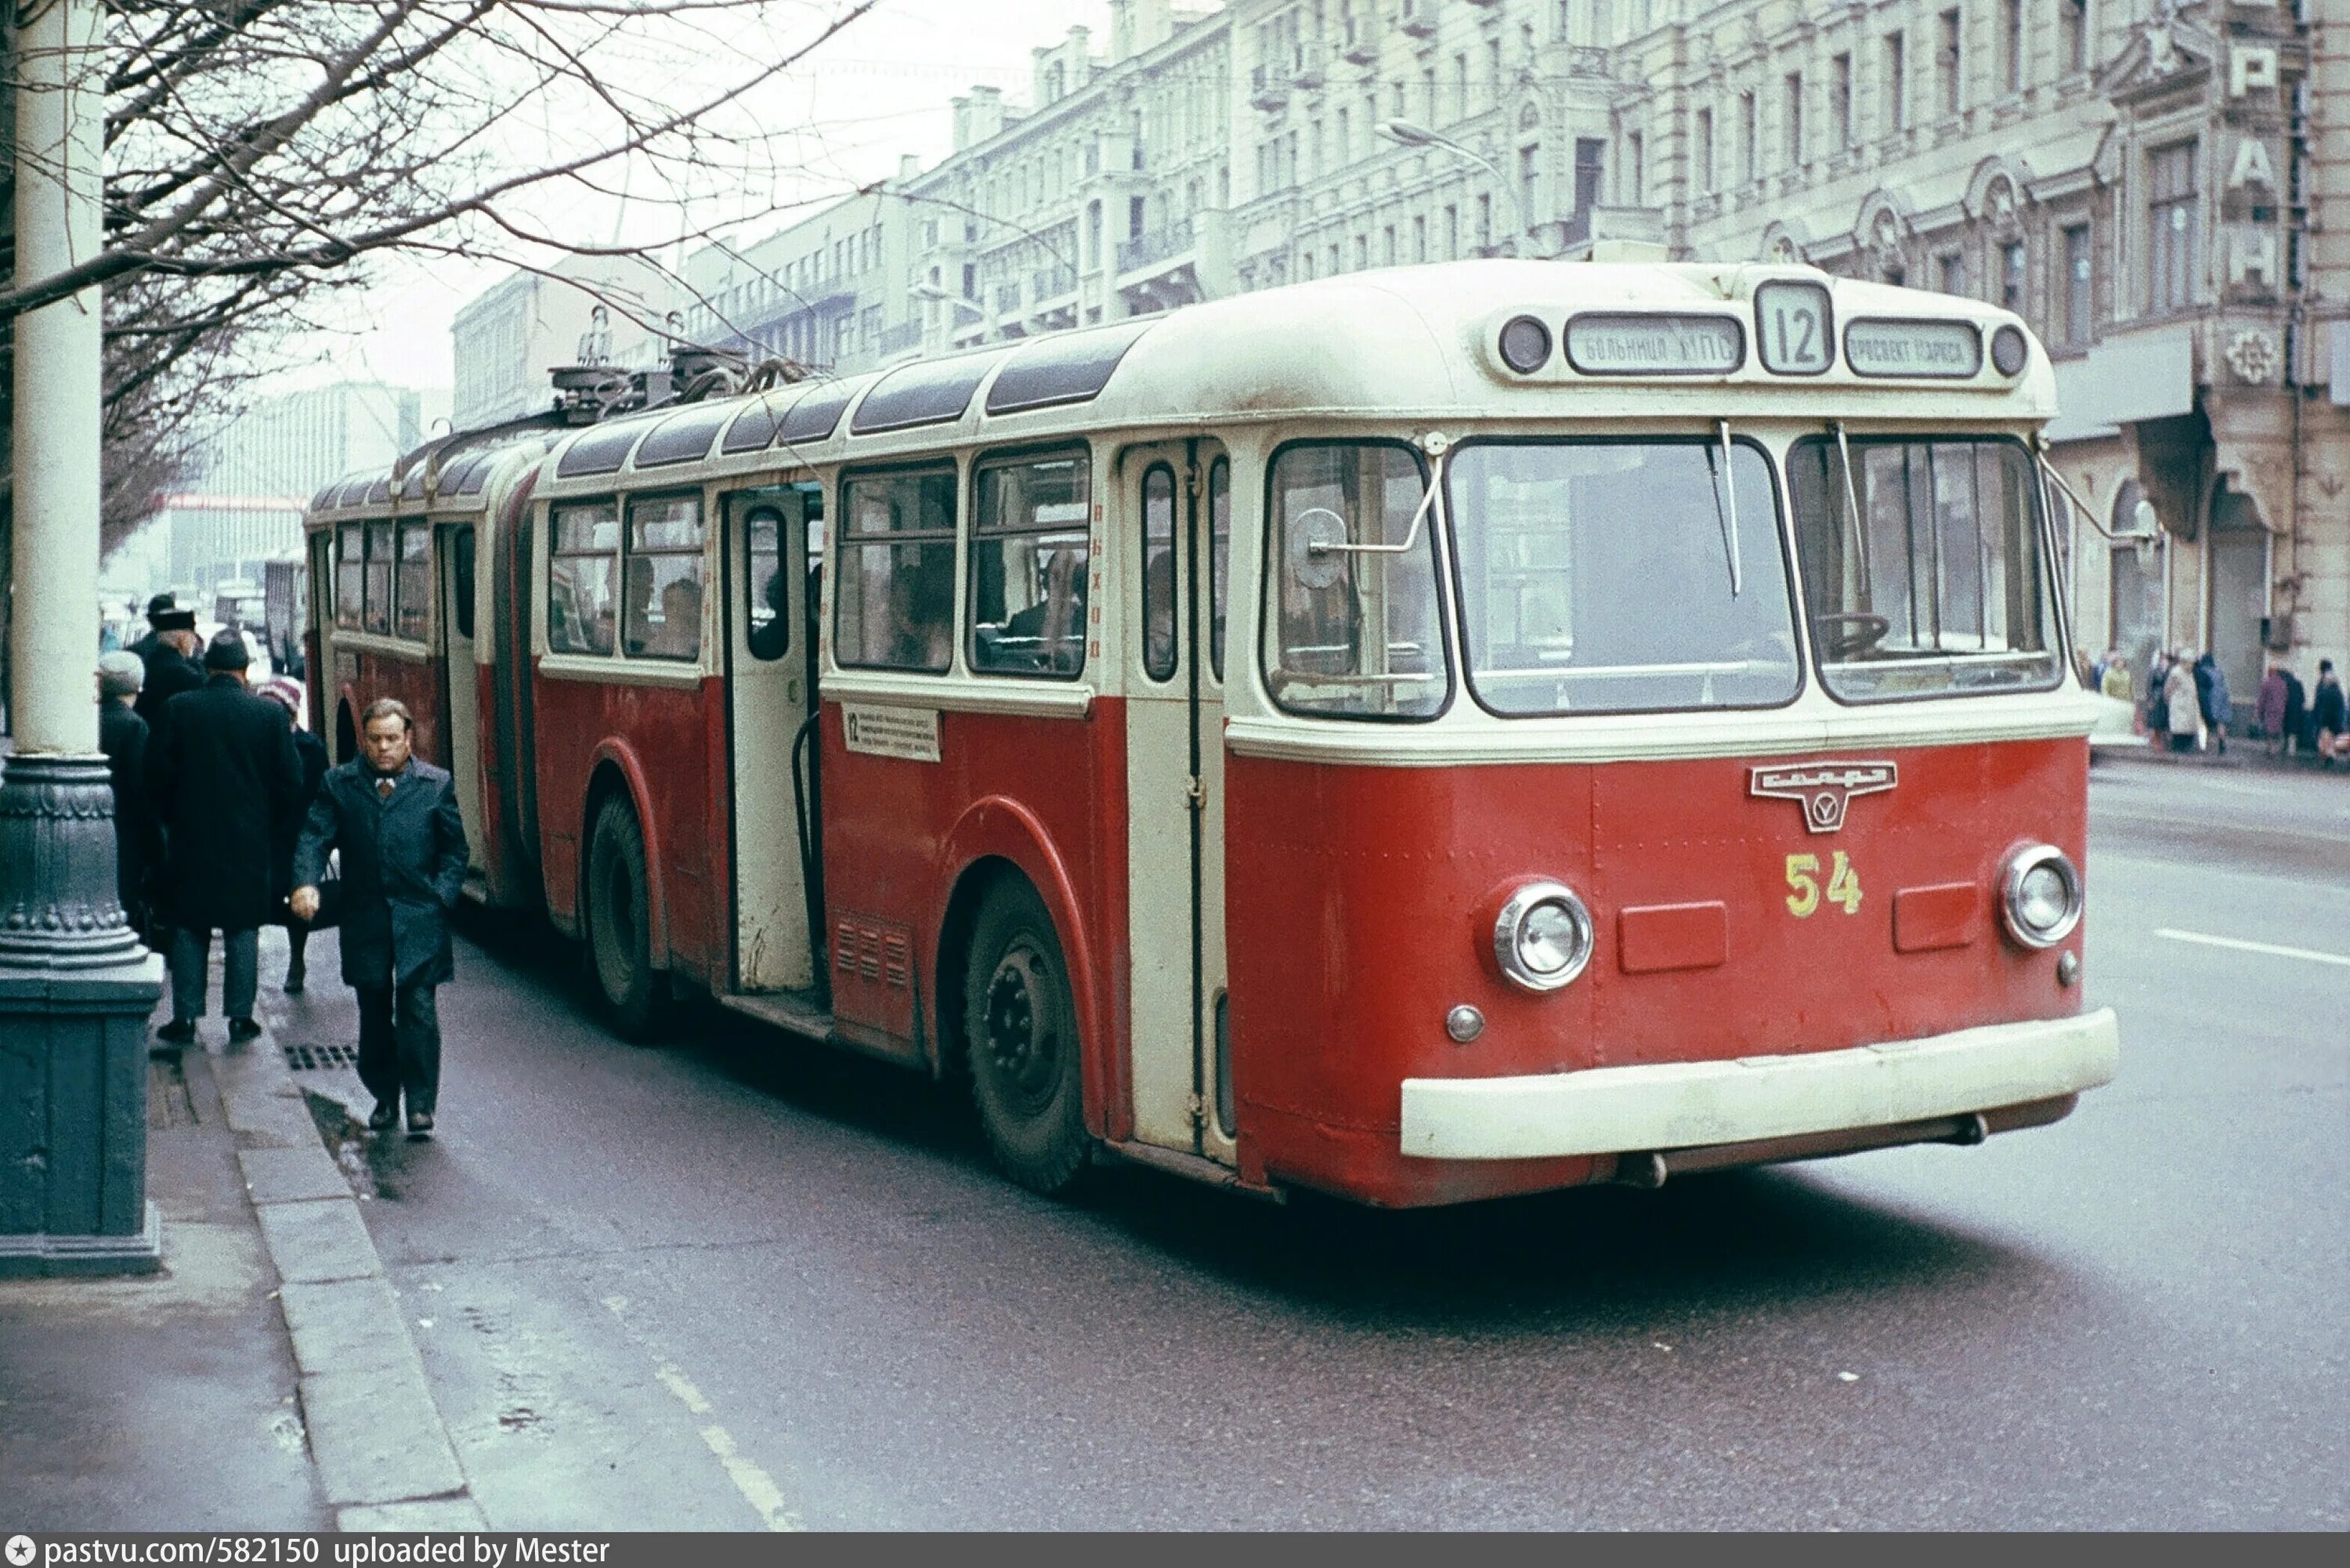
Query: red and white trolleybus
x: 1423, y: 735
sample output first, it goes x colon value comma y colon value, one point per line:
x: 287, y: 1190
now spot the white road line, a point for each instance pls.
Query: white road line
x: 757, y: 1486
x: 2305, y: 954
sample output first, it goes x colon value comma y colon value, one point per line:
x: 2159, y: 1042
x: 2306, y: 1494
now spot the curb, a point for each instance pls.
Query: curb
x: 383, y: 1456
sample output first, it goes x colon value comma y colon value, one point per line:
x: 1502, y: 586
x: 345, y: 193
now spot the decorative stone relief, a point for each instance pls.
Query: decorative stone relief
x: 2252, y: 356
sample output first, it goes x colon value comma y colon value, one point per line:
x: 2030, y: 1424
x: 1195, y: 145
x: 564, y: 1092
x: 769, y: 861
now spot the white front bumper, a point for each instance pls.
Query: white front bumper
x: 1683, y: 1105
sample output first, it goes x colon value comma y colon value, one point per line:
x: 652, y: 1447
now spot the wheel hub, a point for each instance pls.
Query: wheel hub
x: 1020, y: 1043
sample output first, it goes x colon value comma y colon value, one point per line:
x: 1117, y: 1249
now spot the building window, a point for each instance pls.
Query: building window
x: 1951, y: 272
x: 1897, y: 84
x: 1590, y: 156
x: 1636, y: 173
x: 1387, y: 245
x: 2011, y: 43
x: 2170, y: 225
x: 1451, y: 232
x: 1794, y: 120
x: 1705, y: 150
x: 2011, y: 260
x: 1746, y: 153
x: 1530, y: 182
x: 1459, y: 87
x: 1840, y: 100
x: 2076, y: 22
x: 1419, y: 239
x: 1484, y: 222
x: 2076, y: 285
x: 1946, y: 61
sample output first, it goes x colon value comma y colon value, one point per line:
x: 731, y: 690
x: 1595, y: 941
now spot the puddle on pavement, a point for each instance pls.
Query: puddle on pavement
x: 362, y: 1158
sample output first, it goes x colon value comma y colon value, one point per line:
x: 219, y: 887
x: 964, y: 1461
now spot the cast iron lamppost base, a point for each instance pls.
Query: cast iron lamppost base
x: 75, y: 989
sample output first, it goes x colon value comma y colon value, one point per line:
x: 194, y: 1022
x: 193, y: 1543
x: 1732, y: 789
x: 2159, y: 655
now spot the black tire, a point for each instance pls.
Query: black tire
x: 619, y: 922
x: 1020, y: 1024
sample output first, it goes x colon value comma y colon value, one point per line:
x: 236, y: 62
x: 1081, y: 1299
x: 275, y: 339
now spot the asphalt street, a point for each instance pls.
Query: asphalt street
x: 738, y: 1283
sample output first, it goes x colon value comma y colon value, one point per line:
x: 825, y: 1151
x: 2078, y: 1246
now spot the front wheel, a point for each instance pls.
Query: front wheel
x: 620, y: 924
x: 1021, y: 1024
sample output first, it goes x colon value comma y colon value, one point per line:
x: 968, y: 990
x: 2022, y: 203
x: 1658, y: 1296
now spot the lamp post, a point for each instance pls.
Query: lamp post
x: 1406, y: 133
x: 75, y: 986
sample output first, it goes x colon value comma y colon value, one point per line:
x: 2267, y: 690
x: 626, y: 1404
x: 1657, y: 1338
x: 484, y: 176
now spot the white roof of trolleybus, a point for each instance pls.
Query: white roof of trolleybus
x: 373, y: 493
x: 1417, y: 343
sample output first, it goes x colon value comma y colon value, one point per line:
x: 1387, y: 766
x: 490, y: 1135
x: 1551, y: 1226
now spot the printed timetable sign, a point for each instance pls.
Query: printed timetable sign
x: 1951, y: 350
x: 1600, y: 344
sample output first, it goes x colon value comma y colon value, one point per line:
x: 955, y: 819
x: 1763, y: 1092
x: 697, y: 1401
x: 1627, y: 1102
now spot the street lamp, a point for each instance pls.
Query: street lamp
x: 1405, y: 133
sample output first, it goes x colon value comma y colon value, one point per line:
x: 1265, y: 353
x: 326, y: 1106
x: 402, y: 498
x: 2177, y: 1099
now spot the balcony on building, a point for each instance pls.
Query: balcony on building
x: 1597, y: 226
x: 1053, y: 297
x: 1311, y: 68
x: 1182, y: 263
x: 904, y: 340
x: 1415, y: 18
x: 1360, y: 45
x: 1268, y: 88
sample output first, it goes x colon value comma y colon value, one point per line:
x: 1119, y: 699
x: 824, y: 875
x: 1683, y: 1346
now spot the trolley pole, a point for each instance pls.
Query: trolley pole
x: 75, y: 986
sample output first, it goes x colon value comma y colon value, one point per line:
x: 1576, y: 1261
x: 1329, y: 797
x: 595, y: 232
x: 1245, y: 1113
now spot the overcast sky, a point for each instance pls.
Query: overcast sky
x: 878, y: 90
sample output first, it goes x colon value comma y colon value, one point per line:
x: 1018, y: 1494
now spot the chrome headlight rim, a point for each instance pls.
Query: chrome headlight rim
x: 2022, y: 864
x: 1510, y: 921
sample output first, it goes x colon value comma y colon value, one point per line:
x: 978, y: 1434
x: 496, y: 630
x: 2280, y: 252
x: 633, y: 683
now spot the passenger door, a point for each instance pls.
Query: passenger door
x: 770, y: 690
x: 1175, y: 509
x: 460, y: 695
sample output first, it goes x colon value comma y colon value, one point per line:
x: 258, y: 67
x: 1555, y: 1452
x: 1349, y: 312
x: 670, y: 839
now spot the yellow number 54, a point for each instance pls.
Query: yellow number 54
x: 1803, y: 876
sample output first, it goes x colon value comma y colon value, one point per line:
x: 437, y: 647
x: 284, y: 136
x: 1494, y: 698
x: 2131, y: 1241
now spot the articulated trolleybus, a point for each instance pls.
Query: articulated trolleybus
x: 1425, y: 735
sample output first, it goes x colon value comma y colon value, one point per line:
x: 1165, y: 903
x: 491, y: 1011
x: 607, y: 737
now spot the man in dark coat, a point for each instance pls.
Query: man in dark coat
x: 149, y: 640
x: 123, y: 736
x: 395, y: 819
x: 221, y: 774
x: 171, y: 667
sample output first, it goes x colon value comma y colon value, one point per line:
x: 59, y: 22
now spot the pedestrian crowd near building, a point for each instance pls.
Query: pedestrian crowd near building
x: 2185, y: 705
x: 228, y: 818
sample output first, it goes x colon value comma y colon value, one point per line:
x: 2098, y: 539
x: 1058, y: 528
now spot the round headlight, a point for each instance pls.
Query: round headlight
x: 1525, y: 344
x: 2040, y: 895
x: 1543, y: 937
x: 2008, y: 352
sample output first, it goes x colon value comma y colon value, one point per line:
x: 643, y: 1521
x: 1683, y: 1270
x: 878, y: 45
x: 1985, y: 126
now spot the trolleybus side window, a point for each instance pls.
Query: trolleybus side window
x: 1159, y: 573
x: 413, y: 584
x: 661, y: 582
x: 1351, y: 633
x: 763, y: 589
x: 379, y: 576
x: 1620, y: 576
x: 1923, y: 565
x: 350, y: 575
x: 1029, y: 549
x: 1220, y: 557
x: 579, y: 571
x: 463, y: 543
x: 894, y: 600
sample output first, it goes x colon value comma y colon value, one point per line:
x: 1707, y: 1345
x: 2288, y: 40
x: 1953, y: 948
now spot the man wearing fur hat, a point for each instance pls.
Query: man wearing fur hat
x: 222, y: 774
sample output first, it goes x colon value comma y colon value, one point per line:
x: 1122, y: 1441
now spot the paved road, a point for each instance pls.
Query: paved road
x: 733, y: 1284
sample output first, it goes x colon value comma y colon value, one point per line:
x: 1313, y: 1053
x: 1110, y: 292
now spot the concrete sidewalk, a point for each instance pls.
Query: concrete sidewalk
x: 265, y: 1380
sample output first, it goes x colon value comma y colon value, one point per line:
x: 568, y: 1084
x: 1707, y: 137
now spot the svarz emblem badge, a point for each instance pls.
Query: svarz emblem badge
x: 1822, y: 789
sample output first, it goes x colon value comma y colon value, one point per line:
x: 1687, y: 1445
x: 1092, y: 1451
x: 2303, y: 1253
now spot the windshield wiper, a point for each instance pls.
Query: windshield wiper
x: 1728, y: 517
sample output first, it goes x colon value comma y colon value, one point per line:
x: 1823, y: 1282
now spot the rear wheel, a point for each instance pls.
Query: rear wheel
x: 619, y: 923
x: 1020, y: 1022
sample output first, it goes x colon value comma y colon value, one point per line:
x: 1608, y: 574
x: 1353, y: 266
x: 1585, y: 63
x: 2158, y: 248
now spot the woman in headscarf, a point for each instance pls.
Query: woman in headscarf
x: 2184, y: 712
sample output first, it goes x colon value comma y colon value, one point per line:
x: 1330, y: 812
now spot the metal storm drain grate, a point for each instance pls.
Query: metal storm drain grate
x: 317, y: 1058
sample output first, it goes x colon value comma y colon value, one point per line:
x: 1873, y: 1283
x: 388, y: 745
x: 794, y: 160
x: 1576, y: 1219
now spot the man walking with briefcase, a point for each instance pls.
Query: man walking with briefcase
x: 395, y: 820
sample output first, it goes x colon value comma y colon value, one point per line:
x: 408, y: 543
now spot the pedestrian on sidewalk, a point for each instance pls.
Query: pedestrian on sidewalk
x: 171, y: 668
x: 2114, y: 682
x: 2268, y: 711
x: 311, y: 753
x: 2211, y: 696
x: 2181, y: 709
x: 2330, y: 715
x: 123, y: 736
x: 394, y: 817
x: 144, y: 645
x: 2296, y: 713
x: 220, y: 776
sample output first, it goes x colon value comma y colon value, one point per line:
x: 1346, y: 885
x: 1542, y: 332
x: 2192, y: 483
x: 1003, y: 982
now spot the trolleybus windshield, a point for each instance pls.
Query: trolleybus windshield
x: 1923, y: 566
x: 1621, y: 576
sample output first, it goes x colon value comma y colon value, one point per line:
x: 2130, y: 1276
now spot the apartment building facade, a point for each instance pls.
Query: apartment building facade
x: 584, y: 309
x: 2146, y: 182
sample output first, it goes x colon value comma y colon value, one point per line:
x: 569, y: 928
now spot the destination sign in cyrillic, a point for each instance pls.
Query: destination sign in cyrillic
x: 1951, y: 350
x: 1644, y: 345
